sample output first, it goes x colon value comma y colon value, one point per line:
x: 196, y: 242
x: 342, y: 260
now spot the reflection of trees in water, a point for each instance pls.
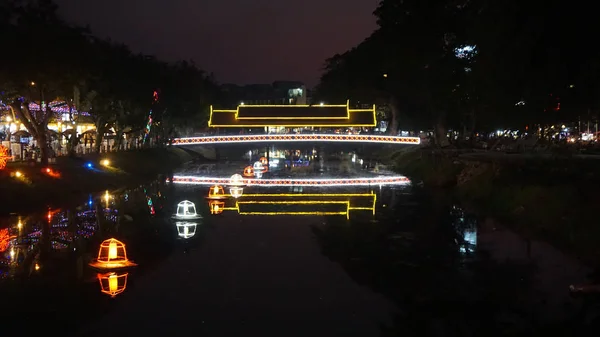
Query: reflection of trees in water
x: 414, y: 258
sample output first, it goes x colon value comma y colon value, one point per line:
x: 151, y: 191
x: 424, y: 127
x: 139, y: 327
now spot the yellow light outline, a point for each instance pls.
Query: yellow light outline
x: 290, y: 125
x: 308, y: 202
x: 347, y: 106
x: 252, y: 202
x: 237, y: 109
x: 328, y: 195
x: 295, y: 213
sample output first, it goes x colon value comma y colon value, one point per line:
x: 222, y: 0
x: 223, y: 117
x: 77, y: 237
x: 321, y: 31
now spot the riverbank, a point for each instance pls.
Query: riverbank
x: 548, y: 199
x: 28, y: 187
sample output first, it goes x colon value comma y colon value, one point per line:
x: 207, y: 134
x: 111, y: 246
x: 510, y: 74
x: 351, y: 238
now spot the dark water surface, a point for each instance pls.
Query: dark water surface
x: 414, y: 265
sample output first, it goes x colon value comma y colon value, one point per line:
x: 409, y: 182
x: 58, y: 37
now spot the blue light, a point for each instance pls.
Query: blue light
x: 89, y: 165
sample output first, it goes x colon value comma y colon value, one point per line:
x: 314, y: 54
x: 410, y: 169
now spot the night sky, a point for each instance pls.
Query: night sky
x: 240, y: 41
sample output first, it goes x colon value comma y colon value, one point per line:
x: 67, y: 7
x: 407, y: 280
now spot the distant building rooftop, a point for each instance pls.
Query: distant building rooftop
x: 292, y: 116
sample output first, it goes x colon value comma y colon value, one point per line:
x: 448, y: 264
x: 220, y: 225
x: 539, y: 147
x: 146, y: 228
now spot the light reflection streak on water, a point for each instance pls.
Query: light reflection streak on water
x: 61, y: 229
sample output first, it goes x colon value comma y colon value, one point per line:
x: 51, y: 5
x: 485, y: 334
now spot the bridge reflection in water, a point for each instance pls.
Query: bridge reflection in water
x: 296, y: 204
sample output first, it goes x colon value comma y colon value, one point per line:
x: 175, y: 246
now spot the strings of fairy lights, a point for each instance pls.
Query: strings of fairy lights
x: 297, y: 138
x: 387, y: 180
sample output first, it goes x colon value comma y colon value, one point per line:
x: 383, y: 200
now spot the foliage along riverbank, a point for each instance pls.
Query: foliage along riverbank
x: 70, y: 179
x: 550, y: 199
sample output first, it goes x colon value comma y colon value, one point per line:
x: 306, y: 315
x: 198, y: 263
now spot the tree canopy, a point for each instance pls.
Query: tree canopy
x: 472, y: 63
x: 49, y: 60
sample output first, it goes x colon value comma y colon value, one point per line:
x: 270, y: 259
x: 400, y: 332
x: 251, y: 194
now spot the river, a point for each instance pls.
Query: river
x: 290, y: 259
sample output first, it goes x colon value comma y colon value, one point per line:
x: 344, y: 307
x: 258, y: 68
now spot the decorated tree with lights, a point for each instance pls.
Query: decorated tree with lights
x: 37, y: 70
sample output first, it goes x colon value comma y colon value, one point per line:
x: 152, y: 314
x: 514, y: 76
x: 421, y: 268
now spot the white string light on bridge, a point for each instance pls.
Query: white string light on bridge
x: 368, y: 181
x: 379, y: 139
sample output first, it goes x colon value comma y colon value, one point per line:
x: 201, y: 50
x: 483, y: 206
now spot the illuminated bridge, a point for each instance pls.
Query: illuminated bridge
x: 281, y: 118
x: 274, y: 138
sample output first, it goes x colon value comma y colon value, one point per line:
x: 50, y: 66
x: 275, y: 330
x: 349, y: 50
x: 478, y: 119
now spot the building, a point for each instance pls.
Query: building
x: 277, y: 93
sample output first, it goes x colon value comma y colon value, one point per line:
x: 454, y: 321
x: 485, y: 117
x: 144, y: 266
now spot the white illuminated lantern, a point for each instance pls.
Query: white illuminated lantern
x: 258, y: 167
x: 236, y: 192
x: 258, y: 175
x: 186, y: 230
x: 236, y: 180
x: 186, y: 210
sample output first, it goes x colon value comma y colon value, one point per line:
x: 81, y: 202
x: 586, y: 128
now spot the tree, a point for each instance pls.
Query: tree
x: 414, y: 72
x: 38, y: 71
x: 186, y: 97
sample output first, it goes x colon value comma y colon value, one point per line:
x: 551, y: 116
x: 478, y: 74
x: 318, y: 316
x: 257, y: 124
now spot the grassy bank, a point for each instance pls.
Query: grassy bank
x: 553, y: 200
x: 33, y: 187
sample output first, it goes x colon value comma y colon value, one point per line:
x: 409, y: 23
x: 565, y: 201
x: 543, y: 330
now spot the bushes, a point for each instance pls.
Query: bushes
x: 550, y: 201
x: 433, y: 169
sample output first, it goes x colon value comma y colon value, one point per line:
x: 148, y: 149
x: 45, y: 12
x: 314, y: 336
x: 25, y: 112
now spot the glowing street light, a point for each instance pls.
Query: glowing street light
x: 105, y: 162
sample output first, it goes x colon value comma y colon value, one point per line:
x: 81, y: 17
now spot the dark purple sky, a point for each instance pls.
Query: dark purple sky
x: 241, y: 41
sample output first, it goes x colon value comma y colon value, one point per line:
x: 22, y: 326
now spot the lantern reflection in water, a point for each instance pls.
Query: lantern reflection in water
x: 249, y: 171
x: 112, y: 255
x: 236, y: 192
x: 186, y: 210
x: 216, y: 192
x: 264, y: 161
x: 236, y: 180
x: 112, y: 283
x: 186, y: 230
x: 216, y: 207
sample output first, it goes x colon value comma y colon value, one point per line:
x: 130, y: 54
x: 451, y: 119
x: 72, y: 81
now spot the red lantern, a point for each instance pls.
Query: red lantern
x: 216, y: 192
x: 248, y: 171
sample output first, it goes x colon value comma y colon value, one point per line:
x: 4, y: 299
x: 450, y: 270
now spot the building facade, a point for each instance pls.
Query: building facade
x: 277, y: 93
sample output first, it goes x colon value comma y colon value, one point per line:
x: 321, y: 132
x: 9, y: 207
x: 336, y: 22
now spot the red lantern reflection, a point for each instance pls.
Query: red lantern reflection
x: 216, y: 207
x: 112, y: 283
